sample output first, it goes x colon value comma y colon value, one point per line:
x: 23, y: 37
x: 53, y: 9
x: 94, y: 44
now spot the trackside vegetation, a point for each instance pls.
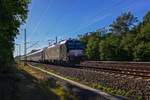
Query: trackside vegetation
x: 50, y: 84
x: 126, y: 39
x: 13, y: 13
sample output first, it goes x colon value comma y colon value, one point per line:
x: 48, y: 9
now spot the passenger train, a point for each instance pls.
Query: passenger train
x: 66, y: 51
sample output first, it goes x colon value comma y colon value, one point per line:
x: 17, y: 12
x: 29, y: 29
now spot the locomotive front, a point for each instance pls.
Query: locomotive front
x: 75, y: 50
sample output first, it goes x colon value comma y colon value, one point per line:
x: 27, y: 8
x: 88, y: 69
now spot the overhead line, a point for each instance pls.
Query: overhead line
x: 33, y: 45
x: 40, y: 20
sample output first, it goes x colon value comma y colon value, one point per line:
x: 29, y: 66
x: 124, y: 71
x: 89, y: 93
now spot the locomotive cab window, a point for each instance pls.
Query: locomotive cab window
x: 74, y: 45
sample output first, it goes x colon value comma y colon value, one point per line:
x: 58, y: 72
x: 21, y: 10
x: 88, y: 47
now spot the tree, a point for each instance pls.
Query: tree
x: 109, y: 48
x: 84, y: 38
x: 127, y: 40
x: 146, y: 18
x: 12, y: 14
x: 141, y: 46
x: 92, y: 50
x: 145, y: 28
x: 91, y: 41
x: 87, y: 36
x: 123, y: 24
x: 142, y: 52
x: 127, y: 45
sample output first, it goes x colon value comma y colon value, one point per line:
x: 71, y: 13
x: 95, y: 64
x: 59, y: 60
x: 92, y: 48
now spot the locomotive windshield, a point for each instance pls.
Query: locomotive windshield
x: 74, y: 45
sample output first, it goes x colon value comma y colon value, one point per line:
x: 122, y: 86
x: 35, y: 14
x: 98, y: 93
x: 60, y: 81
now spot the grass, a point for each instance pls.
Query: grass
x: 46, y: 84
x: 61, y: 93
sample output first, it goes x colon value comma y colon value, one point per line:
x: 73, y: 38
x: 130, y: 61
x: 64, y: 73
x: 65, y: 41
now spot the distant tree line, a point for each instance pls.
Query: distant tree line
x: 126, y: 39
x: 12, y: 14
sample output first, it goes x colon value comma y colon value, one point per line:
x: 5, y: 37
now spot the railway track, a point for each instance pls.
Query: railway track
x: 136, y: 69
x: 137, y: 73
x: 129, y: 72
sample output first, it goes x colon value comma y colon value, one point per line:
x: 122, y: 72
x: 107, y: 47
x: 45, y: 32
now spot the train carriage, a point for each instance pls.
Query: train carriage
x: 35, y: 56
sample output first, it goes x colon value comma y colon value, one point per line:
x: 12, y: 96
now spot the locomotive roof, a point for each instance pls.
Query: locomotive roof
x: 51, y: 46
x: 69, y: 40
x: 60, y: 43
x: 63, y: 42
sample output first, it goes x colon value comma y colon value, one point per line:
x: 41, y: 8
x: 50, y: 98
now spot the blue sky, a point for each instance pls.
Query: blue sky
x: 68, y: 18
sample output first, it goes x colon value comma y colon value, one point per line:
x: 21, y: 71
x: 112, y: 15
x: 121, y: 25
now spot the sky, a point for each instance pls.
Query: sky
x: 70, y: 18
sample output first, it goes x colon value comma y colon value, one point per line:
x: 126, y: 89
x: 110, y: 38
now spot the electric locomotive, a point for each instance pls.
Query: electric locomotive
x: 66, y: 51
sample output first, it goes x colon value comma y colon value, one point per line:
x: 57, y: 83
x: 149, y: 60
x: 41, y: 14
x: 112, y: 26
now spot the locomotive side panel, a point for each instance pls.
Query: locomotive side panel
x: 28, y: 57
x: 52, y: 53
x: 36, y: 57
x: 63, y: 52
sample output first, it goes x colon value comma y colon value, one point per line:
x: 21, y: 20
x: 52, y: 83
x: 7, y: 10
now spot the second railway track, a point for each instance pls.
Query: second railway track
x: 131, y: 72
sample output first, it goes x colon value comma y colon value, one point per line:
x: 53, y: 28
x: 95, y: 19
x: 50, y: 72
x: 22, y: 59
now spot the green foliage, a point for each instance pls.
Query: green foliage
x: 146, y: 18
x: 142, y: 47
x: 127, y: 43
x: 109, y: 48
x: 142, y: 52
x: 145, y: 28
x: 110, y: 90
x: 142, y: 38
x: 92, y: 50
x: 84, y: 38
x: 12, y: 14
x: 87, y: 36
x: 91, y: 41
x: 123, y: 23
x: 127, y: 40
x: 142, y: 41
